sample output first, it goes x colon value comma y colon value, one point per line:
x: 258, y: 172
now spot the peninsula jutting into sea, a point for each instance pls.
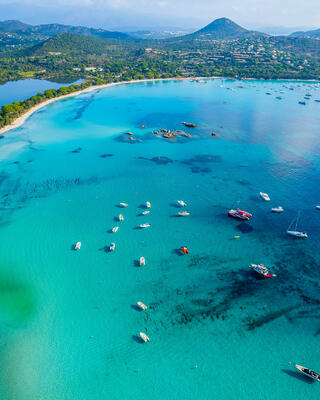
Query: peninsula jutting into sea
x: 159, y: 209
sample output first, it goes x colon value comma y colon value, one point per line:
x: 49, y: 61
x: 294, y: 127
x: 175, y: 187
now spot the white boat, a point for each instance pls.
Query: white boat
x: 144, y: 337
x: 318, y: 207
x: 112, y: 246
x: 182, y: 203
x: 262, y: 271
x: 145, y: 212
x: 121, y: 218
x: 124, y: 205
x: 142, y: 261
x: 265, y: 196
x: 308, y: 372
x: 183, y: 213
x: 145, y: 225
x: 277, y: 209
x: 148, y: 204
x: 77, y: 246
x: 115, y: 229
x: 294, y: 232
x: 141, y: 305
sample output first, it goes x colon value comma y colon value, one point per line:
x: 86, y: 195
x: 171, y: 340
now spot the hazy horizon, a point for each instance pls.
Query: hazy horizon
x: 162, y: 14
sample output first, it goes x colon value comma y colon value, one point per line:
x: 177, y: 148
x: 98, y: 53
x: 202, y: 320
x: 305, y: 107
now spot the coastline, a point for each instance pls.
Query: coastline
x: 21, y: 120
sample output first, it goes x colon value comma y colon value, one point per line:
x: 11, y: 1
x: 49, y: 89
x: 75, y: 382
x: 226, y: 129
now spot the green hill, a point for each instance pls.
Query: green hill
x: 13, y: 26
x: 57, y: 29
x: 68, y: 43
x: 314, y: 34
x: 224, y: 29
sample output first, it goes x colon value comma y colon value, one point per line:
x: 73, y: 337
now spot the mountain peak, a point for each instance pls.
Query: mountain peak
x: 224, y: 29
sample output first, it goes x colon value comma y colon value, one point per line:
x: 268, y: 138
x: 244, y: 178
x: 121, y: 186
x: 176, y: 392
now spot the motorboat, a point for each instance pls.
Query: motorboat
x: 262, y: 271
x: 144, y: 337
x: 240, y: 214
x: 294, y: 232
x: 278, y: 209
x: 182, y: 203
x: 183, y: 213
x: 121, y: 218
x: 112, y: 246
x: 142, y: 261
x: 115, y: 229
x: 308, y: 372
x: 145, y: 226
x: 297, y: 234
x: 184, y: 250
x: 124, y: 205
x: 318, y: 207
x: 77, y: 246
x: 145, y: 212
x: 148, y: 204
x: 141, y: 305
x: 265, y: 196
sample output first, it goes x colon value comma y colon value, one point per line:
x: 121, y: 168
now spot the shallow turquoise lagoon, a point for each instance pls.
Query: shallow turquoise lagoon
x: 24, y: 88
x: 69, y: 324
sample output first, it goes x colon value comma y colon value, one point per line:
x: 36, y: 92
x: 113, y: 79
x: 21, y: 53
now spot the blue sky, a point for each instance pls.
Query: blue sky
x: 161, y: 13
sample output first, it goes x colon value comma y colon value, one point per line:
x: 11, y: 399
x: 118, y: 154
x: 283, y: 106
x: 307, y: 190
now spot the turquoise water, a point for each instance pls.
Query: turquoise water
x: 68, y: 322
x: 22, y: 89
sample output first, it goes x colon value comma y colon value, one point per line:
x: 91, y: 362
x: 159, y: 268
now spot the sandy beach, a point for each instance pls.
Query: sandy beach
x: 20, y: 121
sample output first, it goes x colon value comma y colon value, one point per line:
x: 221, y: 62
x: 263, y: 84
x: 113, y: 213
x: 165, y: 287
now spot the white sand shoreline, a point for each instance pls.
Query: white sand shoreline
x: 20, y: 120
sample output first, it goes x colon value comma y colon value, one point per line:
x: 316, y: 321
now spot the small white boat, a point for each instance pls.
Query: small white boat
x: 183, y: 214
x: 141, y: 305
x: 121, y: 218
x: 277, y: 209
x: 142, y: 261
x: 297, y: 234
x: 148, y: 204
x: 262, y: 271
x: 144, y: 337
x: 308, y: 372
x: 77, y: 246
x: 294, y: 232
x: 124, y: 205
x: 112, y: 246
x: 145, y: 226
x: 145, y: 212
x: 182, y: 203
x: 318, y: 207
x: 115, y: 229
x: 265, y: 196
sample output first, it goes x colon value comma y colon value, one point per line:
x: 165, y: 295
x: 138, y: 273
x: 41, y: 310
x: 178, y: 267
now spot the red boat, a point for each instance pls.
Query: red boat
x: 240, y: 214
x: 184, y: 250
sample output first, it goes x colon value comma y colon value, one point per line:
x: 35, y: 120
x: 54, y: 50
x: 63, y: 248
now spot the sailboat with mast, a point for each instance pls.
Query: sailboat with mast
x: 294, y: 232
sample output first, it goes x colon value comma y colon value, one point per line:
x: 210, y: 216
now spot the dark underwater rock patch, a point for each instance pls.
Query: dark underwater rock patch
x: 77, y: 150
x: 85, y: 103
x: 106, y: 155
x: 123, y: 138
x: 162, y: 160
x: 203, y: 159
x: 267, y: 318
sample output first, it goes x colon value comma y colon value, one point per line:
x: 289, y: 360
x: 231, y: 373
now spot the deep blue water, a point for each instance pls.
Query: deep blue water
x: 69, y: 324
x: 25, y: 88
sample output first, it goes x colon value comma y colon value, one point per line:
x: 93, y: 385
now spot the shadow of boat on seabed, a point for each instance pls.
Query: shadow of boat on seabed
x: 298, y: 375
